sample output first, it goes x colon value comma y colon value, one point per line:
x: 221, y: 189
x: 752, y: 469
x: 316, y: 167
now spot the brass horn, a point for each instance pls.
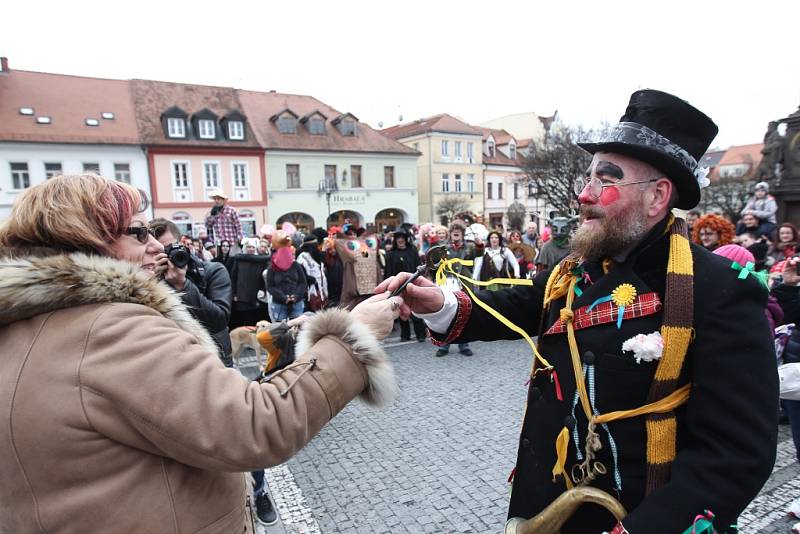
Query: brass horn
x: 551, y: 519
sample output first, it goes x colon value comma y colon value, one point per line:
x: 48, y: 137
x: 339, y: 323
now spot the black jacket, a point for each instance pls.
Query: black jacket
x: 401, y: 261
x: 726, y: 437
x: 207, y: 293
x: 246, y: 280
x: 292, y: 281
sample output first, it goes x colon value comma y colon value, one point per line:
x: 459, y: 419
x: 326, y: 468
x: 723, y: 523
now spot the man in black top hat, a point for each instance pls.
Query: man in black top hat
x: 650, y: 387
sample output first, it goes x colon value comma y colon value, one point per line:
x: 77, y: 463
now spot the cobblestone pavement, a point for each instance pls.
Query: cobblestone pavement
x: 438, y: 459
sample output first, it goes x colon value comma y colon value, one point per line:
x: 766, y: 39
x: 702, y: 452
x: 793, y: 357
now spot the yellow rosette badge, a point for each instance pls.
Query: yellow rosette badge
x: 623, y: 295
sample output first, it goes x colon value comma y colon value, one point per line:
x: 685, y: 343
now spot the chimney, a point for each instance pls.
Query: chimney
x: 3, y: 65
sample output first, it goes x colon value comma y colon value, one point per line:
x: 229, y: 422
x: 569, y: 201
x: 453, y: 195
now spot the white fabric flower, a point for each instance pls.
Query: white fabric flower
x: 645, y: 347
x: 701, y: 173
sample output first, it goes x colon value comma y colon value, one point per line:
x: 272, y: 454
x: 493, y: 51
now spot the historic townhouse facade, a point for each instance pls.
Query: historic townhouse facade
x: 197, y: 138
x: 324, y: 166
x: 507, y: 191
x: 450, y: 162
x: 54, y: 124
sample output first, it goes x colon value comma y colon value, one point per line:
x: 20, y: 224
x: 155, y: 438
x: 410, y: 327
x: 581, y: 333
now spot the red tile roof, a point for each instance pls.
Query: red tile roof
x: 737, y: 155
x: 742, y: 154
x: 442, y: 123
x: 501, y: 137
x: 501, y: 159
x: 151, y: 99
x: 68, y: 101
x: 259, y: 107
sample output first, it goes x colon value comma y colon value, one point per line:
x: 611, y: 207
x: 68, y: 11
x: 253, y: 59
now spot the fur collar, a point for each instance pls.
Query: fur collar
x: 32, y: 285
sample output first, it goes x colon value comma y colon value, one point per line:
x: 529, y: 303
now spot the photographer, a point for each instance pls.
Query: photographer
x: 205, y: 286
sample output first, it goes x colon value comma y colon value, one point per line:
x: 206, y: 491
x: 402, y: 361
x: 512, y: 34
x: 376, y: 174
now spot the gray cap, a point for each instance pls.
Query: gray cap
x: 762, y: 185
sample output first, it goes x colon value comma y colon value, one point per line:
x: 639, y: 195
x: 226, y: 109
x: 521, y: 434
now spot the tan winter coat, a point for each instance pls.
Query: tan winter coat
x: 116, y: 414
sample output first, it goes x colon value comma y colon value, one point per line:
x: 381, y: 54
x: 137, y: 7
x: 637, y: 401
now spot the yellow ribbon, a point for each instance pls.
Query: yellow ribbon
x: 446, y: 267
x: 667, y: 404
x: 562, y: 443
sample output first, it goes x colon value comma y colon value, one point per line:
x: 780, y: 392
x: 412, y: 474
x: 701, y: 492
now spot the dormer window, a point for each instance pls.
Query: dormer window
x: 173, y: 121
x: 233, y: 125
x: 490, y: 147
x: 176, y: 127
x: 315, y: 123
x: 286, y: 121
x: 205, y: 128
x: 512, y: 150
x: 205, y: 124
x: 346, y: 124
x: 236, y: 130
x: 316, y: 126
x: 287, y: 124
x: 26, y: 111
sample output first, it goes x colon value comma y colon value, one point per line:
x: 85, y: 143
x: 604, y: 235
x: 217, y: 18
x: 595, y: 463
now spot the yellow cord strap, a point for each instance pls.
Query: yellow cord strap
x: 448, y: 265
x: 577, y: 368
x: 677, y: 398
x: 562, y: 444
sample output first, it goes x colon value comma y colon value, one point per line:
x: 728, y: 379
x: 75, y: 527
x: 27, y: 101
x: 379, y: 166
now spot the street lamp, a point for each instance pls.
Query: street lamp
x: 328, y: 186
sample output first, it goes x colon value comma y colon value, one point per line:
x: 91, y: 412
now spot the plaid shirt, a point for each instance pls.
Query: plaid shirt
x: 226, y: 225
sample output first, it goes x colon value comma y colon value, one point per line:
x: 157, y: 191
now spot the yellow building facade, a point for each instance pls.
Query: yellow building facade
x: 449, y: 166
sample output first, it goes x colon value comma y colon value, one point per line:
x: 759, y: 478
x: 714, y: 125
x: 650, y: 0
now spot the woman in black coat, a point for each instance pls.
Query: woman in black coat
x: 404, y: 258
x: 246, y: 281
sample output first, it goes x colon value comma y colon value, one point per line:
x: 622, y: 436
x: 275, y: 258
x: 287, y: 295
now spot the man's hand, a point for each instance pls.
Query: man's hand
x: 420, y: 296
x: 174, y: 276
x: 378, y: 313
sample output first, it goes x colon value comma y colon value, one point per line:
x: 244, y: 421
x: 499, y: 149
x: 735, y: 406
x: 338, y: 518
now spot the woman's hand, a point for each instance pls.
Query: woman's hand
x: 378, y: 313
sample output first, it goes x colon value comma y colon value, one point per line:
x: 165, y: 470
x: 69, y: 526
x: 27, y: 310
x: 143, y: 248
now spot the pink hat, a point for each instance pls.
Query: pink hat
x: 740, y: 255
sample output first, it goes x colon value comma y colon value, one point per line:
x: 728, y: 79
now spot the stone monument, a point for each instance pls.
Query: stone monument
x: 780, y: 165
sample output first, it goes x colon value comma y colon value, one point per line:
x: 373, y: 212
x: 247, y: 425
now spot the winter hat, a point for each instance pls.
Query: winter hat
x: 250, y: 242
x: 740, y: 255
x: 320, y: 234
x: 763, y: 186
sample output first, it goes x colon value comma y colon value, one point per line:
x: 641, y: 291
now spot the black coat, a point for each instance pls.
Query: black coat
x: 247, y: 280
x: 401, y: 261
x: 292, y: 281
x: 207, y: 294
x: 727, y: 434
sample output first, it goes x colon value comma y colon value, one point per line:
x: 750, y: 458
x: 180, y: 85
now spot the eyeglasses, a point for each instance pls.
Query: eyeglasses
x: 142, y: 233
x: 596, y: 185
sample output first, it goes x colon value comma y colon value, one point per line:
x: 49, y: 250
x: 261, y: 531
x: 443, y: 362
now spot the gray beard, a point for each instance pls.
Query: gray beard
x: 611, y: 237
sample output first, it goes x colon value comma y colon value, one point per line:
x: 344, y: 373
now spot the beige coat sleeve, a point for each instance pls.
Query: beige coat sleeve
x: 150, y: 385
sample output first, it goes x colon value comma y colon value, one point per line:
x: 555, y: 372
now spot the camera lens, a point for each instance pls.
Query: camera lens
x: 179, y: 256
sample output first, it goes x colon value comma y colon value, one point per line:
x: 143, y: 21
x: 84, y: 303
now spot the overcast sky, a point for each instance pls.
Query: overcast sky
x: 737, y: 61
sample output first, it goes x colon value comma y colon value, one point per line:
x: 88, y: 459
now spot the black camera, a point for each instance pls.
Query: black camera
x: 178, y: 254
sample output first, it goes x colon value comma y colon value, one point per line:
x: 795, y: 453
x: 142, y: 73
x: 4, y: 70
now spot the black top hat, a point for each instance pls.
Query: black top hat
x: 666, y: 132
x: 402, y: 232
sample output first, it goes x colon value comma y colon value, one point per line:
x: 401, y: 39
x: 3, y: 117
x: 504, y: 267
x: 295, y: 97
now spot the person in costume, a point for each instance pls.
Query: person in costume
x: 643, y: 385
x: 458, y: 248
x: 497, y: 261
x: 557, y: 247
x: 713, y: 231
x: 404, y: 258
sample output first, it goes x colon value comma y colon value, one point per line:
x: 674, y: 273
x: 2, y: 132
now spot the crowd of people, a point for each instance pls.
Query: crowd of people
x: 663, y: 404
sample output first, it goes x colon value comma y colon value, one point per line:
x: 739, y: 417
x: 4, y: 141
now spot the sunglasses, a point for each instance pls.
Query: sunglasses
x: 142, y: 233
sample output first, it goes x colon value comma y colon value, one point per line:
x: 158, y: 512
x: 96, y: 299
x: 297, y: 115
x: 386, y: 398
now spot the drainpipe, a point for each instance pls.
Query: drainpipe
x: 430, y: 177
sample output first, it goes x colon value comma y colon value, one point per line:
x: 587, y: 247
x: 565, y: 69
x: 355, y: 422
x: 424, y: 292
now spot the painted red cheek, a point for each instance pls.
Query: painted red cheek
x: 609, y: 196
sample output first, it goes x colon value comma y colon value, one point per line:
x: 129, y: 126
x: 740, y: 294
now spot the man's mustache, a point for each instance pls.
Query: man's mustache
x: 592, y: 211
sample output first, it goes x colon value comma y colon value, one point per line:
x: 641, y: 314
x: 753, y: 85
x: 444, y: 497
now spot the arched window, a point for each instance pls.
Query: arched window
x: 302, y: 221
x: 248, y: 220
x: 183, y: 221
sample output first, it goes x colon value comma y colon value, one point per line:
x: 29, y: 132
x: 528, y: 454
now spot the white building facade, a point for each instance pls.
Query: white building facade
x: 23, y: 165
